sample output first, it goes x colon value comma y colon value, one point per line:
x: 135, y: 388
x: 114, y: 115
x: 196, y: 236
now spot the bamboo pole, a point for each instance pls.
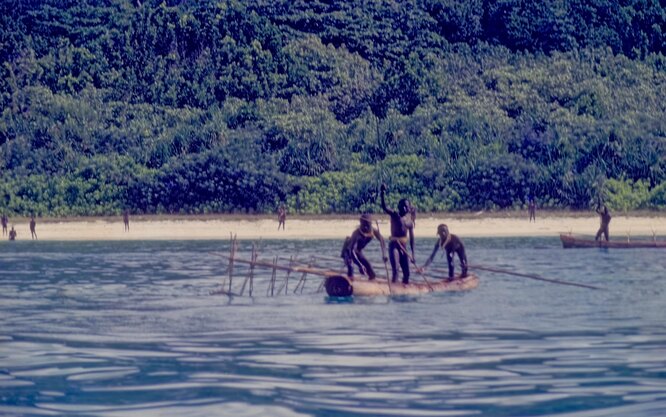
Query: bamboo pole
x: 331, y: 258
x: 404, y: 249
x: 286, y: 280
x: 326, y: 258
x: 301, y: 282
x: 273, y: 276
x: 534, y: 276
x: 295, y: 268
x: 222, y: 291
x: 381, y: 244
x: 250, y: 271
x: 275, y: 267
x: 254, y: 258
x: 232, y: 254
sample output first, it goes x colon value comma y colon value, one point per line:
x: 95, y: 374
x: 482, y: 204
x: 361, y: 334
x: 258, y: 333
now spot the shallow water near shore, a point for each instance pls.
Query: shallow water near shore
x: 131, y: 329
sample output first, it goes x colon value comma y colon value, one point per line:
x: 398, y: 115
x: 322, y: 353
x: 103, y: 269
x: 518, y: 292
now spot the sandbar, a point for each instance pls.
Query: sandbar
x: 254, y: 227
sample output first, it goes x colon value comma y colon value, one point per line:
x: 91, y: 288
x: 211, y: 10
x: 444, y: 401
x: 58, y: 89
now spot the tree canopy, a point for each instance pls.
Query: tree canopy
x: 186, y: 106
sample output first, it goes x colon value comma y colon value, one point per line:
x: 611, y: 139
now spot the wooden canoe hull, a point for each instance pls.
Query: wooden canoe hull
x: 569, y: 241
x: 341, y: 286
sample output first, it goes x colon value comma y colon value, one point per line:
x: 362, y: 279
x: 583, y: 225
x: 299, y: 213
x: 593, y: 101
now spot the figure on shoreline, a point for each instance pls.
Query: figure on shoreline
x: 282, y: 216
x: 402, y: 228
x: 12, y: 234
x: 4, y: 220
x: 33, y: 233
x: 352, y: 249
x: 605, y: 218
x: 531, y: 207
x: 451, y: 244
x: 126, y: 219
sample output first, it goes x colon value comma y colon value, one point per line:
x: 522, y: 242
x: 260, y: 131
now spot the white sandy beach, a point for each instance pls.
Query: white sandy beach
x: 331, y: 227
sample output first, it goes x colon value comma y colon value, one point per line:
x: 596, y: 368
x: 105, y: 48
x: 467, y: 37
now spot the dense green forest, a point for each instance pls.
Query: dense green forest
x: 238, y: 106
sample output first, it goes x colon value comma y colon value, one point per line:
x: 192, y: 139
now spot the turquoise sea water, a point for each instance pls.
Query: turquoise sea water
x: 131, y: 329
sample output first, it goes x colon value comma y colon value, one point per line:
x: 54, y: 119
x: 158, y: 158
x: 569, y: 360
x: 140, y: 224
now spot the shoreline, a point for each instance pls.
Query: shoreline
x: 313, y: 227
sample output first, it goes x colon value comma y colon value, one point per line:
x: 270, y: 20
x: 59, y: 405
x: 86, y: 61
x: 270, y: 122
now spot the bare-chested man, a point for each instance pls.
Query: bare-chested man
x: 531, y: 206
x: 4, y: 220
x: 33, y: 233
x: 451, y: 244
x: 352, y: 250
x: 605, y: 217
x: 282, y: 216
x: 402, y: 228
x: 126, y: 220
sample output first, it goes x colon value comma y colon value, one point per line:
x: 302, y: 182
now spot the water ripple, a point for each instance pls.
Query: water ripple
x: 124, y: 329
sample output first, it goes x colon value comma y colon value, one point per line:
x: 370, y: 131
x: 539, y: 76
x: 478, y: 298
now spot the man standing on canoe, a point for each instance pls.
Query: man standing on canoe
x: 352, y: 250
x: 451, y: 244
x: 402, y: 226
x: 605, y: 221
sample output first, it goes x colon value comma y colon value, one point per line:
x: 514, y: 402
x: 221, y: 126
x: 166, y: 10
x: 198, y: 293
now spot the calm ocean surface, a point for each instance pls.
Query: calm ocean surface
x: 131, y: 329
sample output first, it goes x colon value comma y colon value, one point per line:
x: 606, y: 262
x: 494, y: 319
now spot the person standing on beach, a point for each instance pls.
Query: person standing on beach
x: 402, y: 228
x: 451, y: 244
x: 33, y: 234
x: 12, y: 234
x: 605, y: 218
x: 4, y: 220
x: 352, y: 250
x: 282, y: 216
x: 126, y: 219
x: 531, y: 207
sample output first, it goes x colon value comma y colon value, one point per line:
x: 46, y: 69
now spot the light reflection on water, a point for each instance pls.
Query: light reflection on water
x: 131, y: 329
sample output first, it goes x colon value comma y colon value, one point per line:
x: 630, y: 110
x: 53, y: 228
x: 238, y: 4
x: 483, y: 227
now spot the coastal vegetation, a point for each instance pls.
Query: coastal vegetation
x: 238, y: 106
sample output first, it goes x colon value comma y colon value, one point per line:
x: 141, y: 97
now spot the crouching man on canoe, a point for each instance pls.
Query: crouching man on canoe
x: 451, y: 244
x: 402, y: 227
x: 352, y: 250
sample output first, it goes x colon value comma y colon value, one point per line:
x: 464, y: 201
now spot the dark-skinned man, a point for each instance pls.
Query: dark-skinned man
x: 402, y: 229
x: 282, y: 216
x: 605, y: 217
x: 352, y: 250
x: 451, y: 244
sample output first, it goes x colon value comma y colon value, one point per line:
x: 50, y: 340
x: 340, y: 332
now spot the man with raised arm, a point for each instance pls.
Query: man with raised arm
x: 605, y: 217
x: 402, y: 228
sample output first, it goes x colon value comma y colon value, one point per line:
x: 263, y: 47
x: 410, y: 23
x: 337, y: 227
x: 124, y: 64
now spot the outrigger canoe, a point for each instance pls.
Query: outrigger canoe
x: 341, y: 286
x: 569, y: 241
